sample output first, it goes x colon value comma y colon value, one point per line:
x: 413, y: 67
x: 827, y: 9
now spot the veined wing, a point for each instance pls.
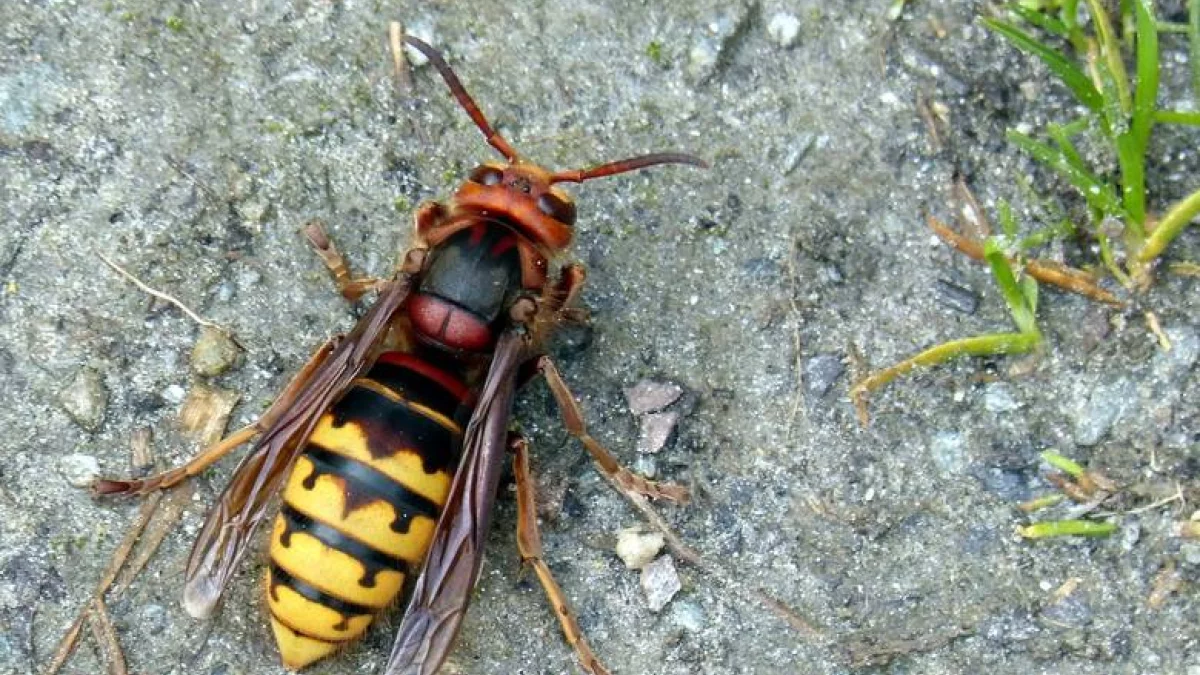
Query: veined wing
x: 443, y: 590
x: 243, y: 505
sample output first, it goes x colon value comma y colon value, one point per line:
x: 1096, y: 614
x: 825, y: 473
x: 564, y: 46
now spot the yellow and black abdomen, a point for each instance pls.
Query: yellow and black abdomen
x: 360, y: 506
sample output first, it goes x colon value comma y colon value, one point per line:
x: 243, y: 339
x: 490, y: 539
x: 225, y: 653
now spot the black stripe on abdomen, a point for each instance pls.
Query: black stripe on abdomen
x: 365, y: 485
x: 372, y: 559
x: 415, y: 387
x: 389, y: 425
x: 307, y: 590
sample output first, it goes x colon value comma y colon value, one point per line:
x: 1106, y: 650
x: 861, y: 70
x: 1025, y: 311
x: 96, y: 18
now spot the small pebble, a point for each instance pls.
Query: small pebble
x: 646, y: 466
x: 174, y: 394
x: 153, y: 618
x: 85, y: 399
x: 656, y: 430
x: 650, y: 396
x: 636, y: 547
x: 820, y: 372
x: 660, y: 583
x: 956, y: 297
x: 998, y: 398
x: 783, y: 29
x: 214, y: 353
x: 79, y: 469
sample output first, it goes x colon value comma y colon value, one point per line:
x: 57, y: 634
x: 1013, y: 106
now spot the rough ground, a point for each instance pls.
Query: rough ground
x: 190, y: 140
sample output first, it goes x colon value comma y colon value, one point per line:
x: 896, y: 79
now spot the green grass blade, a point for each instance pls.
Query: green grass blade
x: 1069, y: 13
x: 1194, y: 39
x: 1007, y: 222
x: 1133, y: 184
x: 1177, y: 117
x: 1029, y: 290
x: 1110, y: 54
x: 1059, y: 134
x: 1070, y: 74
x: 1018, y: 304
x: 1098, y: 194
x: 1063, y: 464
x: 1146, y: 94
x: 1169, y: 227
x: 1037, y: 18
x: 1067, y: 528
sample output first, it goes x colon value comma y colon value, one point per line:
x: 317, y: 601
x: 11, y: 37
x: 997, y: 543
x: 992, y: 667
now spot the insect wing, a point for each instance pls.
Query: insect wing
x: 244, y: 504
x: 441, y: 594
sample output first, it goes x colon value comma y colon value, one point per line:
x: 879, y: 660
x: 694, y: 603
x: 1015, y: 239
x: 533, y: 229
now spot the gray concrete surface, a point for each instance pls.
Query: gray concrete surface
x: 190, y: 140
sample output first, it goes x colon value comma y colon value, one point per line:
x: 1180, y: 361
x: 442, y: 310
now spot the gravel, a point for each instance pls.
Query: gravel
x: 190, y: 142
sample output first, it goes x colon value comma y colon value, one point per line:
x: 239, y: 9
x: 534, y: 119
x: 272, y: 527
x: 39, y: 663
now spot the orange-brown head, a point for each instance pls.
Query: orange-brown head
x: 523, y: 192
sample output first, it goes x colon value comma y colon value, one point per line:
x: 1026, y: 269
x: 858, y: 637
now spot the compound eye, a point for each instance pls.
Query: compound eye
x: 486, y: 175
x: 557, y: 208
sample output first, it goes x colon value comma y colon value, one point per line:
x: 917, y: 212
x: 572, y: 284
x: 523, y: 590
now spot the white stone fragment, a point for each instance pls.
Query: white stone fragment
x: 656, y: 429
x: 783, y: 29
x: 85, y: 398
x: 660, y: 583
x: 636, y: 547
x: 650, y: 396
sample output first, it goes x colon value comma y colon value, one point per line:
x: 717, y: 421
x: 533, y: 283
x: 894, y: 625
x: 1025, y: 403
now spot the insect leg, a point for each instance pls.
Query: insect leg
x: 529, y: 543
x: 351, y: 289
x: 624, y: 479
x: 428, y: 216
x: 216, y: 451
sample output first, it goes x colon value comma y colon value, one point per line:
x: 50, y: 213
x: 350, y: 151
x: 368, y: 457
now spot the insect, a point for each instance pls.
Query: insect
x: 388, y: 445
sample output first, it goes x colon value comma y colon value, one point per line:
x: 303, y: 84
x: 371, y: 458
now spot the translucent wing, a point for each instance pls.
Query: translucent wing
x: 243, y: 506
x: 441, y: 594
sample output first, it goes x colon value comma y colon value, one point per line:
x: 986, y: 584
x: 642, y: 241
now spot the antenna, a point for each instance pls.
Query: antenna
x: 624, y: 165
x: 494, y: 138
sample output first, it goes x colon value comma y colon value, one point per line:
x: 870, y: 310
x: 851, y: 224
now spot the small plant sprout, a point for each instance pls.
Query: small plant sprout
x: 1089, y: 488
x: 1119, y: 107
x: 1019, y: 295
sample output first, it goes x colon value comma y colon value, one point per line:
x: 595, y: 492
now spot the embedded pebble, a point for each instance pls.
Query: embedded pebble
x: 702, y: 59
x: 956, y: 297
x: 79, y: 469
x: 214, y: 352
x: 636, y: 547
x: 422, y: 30
x: 85, y: 399
x: 1070, y: 611
x: 783, y: 29
x: 646, y: 466
x: 254, y: 210
x: 705, y: 55
x: 656, y: 430
x: 660, y: 583
x: 174, y: 394
x: 1103, y: 407
x: 949, y: 452
x: 1131, y: 532
x: 998, y: 398
x: 820, y: 372
x: 153, y: 618
x: 650, y: 396
x: 687, y: 616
